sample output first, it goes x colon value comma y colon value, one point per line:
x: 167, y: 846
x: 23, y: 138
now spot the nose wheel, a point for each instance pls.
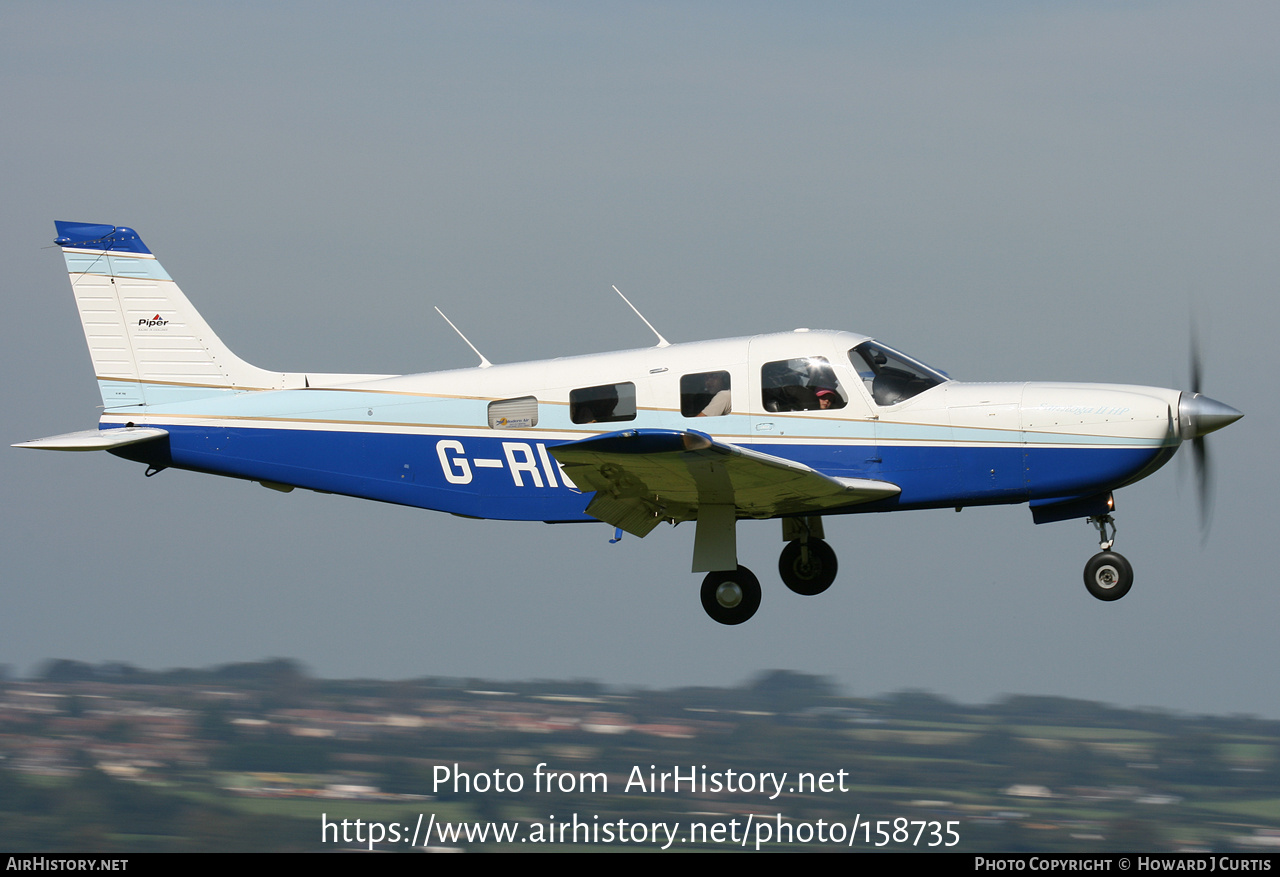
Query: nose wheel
x: 731, y: 596
x: 1107, y: 575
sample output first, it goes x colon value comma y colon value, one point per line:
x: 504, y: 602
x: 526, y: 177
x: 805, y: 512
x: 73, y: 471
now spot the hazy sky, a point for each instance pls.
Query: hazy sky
x: 1009, y: 191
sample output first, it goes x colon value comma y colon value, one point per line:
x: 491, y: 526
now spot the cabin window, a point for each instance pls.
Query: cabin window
x: 807, y: 384
x: 889, y: 376
x: 603, y: 404
x: 705, y: 394
x: 518, y: 413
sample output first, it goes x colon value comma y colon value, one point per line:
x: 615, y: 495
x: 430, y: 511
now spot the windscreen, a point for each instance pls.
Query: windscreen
x: 892, y: 377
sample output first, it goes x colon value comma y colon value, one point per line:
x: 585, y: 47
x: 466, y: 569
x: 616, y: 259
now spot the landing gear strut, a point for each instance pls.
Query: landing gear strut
x: 1107, y: 575
x: 731, y: 596
x: 807, y: 565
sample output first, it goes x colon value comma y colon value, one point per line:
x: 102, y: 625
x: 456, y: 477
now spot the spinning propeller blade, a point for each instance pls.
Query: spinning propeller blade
x: 1198, y: 415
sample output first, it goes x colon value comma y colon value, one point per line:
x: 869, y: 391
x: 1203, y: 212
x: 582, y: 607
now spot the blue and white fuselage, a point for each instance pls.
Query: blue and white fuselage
x: 792, y: 425
x: 425, y: 440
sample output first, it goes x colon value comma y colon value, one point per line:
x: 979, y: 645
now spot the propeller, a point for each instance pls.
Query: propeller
x: 1198, y: 415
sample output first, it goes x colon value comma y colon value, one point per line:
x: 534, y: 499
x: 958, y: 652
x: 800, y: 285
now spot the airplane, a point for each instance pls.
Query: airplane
x: 795, y: 426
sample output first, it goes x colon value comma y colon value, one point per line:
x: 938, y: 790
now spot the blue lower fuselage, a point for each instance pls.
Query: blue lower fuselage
x: 511, y: 476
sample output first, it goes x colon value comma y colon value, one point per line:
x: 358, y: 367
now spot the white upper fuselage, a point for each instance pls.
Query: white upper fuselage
x: 1052, y: 413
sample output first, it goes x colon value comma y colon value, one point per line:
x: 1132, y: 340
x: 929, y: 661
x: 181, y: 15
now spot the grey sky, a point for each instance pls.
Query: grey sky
x: 1008, y: 191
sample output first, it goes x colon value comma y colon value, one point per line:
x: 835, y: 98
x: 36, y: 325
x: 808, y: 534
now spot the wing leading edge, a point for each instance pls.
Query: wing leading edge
x: 643, y: 476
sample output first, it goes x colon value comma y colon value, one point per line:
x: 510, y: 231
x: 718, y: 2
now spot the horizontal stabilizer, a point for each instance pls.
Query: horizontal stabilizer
x: 642, y: 476
x: 96, y: 439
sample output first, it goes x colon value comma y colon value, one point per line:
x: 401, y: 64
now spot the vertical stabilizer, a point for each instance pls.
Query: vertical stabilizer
x: 147, y: 342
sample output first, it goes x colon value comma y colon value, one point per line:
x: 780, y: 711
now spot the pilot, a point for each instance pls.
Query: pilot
x: 828, y: 398
x: 719, y: 404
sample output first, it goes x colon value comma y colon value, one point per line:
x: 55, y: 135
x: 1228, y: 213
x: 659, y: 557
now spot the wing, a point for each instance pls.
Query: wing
x: 643, y: 476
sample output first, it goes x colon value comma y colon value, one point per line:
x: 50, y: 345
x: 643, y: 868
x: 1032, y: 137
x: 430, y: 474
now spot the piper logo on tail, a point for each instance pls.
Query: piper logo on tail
x: 154, y: 323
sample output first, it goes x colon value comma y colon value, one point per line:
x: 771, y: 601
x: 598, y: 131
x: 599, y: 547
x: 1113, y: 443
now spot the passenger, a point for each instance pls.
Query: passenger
x: 720, y: 402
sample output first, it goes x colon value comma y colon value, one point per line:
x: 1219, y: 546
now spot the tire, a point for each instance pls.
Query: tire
x: 1108, y: 576
x: 812, y: 576
x: 731, y: 597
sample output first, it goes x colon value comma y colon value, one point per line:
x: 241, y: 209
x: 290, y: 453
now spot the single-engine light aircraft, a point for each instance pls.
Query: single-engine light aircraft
x: 793, y: 426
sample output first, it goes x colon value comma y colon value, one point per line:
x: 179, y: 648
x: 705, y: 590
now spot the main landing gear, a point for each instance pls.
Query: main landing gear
x: 1107, y: 575
x: 731, y: 597
x: 807, y: 566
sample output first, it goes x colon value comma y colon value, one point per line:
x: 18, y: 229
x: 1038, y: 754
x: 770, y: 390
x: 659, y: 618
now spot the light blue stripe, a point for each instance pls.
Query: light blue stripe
x: 114, y: 266
x: 162, y: 397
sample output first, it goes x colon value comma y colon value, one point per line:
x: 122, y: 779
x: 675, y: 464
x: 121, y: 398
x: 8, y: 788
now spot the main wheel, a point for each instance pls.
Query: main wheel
x: 808, y: 575
x: 732, y: 596
x: 1108, y: 576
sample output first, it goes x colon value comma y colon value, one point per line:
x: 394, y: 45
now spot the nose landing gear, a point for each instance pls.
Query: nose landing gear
x: 1107, y: 575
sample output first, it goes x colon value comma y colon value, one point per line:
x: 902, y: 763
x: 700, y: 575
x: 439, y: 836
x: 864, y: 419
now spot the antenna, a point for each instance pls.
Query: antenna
x: 662, y: 342
x: 484, y: 363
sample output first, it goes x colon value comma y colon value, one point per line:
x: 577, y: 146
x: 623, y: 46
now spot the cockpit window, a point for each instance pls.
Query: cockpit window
x: 807, y: 384
x: 890, y: 376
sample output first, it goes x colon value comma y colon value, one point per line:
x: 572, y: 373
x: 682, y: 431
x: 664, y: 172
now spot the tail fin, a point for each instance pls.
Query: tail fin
x: 147, y: 342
